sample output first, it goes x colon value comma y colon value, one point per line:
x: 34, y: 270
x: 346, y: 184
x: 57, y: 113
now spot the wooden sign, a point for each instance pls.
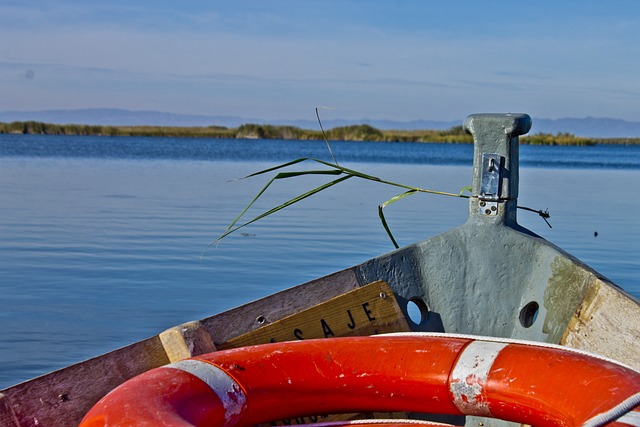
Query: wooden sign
x: 369, y: 310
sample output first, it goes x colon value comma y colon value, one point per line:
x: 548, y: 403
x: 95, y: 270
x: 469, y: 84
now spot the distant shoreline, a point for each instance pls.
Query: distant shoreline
x: 255, y: 131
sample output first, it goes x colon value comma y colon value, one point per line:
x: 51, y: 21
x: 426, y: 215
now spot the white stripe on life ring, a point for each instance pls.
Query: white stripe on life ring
x: 223, y: 385
x: 469, y: 377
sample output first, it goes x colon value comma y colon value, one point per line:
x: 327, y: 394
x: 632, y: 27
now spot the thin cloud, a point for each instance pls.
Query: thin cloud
x: 184, y: 54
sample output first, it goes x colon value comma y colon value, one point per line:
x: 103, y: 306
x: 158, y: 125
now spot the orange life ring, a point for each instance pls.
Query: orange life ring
x: 528, y: 383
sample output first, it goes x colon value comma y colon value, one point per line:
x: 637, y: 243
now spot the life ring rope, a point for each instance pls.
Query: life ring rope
x: 621, y: 413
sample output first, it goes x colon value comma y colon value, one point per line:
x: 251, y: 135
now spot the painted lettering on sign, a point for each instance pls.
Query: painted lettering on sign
x: 367, y: 310
x: 327, y: 326
x: 352, y: 323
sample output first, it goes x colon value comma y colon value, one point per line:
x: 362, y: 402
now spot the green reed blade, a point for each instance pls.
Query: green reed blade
x: 290, y: 202
x: 284, y: 165
x: 324, y: 135
x: 281, y: 175
x: 463, y: 189
x: 381, y: 214
x: 333, y: 169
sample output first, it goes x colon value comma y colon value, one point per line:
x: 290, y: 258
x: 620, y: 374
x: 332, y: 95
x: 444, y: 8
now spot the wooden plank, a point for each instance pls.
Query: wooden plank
x: 61, y: 398
x: 607, y: 322
x: 368, y: 310
x: 245, y: 318
x: 7, y: 416
x: 186, y: 340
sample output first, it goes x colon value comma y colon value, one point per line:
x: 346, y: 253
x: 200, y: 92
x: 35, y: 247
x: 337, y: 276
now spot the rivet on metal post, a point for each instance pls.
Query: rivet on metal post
x: 495, y: 164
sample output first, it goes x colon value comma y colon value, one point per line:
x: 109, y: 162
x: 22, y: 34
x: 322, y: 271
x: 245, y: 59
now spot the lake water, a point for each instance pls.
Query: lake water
x: 105, y: 241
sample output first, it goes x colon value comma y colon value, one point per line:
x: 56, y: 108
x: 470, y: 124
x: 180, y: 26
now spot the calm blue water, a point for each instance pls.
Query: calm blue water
x: 105, y: 241
x: 595, y: 157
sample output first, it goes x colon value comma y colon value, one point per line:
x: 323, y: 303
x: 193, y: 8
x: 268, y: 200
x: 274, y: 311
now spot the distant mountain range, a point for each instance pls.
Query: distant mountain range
x: 587, y: 127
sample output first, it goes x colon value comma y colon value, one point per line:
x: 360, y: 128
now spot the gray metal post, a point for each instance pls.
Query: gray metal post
x: 495, y: 165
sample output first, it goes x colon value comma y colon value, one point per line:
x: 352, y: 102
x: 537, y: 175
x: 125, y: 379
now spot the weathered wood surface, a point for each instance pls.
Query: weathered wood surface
x: 607, y: 323
x: 186, y: 340
x: 7, y: 416
x: 369, y: 310
x: 61, y: 398
x: 249, y: 317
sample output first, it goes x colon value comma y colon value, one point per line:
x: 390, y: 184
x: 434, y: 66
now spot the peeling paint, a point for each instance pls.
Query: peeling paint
x: 564, y: 293
x: 470, y: 375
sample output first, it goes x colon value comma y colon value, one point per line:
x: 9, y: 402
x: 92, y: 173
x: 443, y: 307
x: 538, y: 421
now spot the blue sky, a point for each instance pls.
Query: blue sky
x: 397, y: 60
